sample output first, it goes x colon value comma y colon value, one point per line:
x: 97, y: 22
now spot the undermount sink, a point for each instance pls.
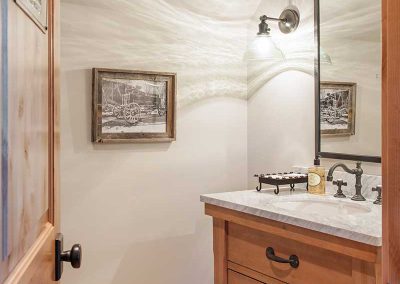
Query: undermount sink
x: 318, y: 206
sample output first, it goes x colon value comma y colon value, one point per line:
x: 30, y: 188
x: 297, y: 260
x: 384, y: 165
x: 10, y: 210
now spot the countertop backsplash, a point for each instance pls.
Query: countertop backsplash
x: 368, y: 182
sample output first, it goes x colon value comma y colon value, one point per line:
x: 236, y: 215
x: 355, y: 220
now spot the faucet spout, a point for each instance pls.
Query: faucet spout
x: 344, y: 167
x: 358, y: 172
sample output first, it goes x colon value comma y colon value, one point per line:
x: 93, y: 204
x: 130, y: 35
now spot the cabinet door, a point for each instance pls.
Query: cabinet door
x: 237, y: 278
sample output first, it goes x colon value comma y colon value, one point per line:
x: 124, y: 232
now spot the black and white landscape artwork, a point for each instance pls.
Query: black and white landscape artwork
x: 133, y: 106
x: 337, y: 108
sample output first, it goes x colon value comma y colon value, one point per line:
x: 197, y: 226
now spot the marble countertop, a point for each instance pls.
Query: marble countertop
x: 357, y: 221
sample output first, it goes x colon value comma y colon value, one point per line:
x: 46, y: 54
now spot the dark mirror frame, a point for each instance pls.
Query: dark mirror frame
x: 317, y: 72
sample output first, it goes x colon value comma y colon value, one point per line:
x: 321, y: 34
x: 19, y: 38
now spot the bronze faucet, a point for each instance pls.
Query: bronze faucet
x: 358, y: 172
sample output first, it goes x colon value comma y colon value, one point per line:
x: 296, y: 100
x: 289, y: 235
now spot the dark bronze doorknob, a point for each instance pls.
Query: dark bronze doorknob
x: 73, y: 256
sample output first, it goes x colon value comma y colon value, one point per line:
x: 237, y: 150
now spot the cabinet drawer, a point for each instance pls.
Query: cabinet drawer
x: 247, y: 247
x: 237, y: 278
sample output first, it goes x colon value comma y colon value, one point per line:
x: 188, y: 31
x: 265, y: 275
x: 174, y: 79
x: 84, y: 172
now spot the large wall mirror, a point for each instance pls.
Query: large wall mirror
x: 348, y: 79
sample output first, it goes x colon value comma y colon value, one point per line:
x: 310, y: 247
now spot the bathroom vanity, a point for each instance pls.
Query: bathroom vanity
x: 295, y: 237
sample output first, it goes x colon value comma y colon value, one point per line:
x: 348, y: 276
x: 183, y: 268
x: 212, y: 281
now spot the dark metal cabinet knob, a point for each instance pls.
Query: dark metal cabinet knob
x: 293, y: 260
x: 73, y: 256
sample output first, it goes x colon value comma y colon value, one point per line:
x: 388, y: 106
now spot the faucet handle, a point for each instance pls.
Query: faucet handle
x: 378, y: 189
x: 340, y: 183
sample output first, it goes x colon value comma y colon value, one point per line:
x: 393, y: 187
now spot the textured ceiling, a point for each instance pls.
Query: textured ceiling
x: 143, y: 29
x: 351, y: 19
x: 195, y: 28
x: 228, y: 10
x: 361, y: 17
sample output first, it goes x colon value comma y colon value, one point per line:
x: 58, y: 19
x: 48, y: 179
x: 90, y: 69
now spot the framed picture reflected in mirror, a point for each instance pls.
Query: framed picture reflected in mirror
x: 338, y: 108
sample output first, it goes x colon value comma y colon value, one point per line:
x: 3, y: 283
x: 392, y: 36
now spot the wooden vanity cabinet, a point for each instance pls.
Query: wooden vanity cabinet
x: 241, y: 240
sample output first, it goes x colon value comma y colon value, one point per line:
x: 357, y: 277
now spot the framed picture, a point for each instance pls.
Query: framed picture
x: 133, y: 106
x: 36, y: 10
x: 338, y: 108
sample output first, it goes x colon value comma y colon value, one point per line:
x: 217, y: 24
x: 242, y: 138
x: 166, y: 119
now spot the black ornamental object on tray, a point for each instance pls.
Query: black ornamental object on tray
x: 281, y: 179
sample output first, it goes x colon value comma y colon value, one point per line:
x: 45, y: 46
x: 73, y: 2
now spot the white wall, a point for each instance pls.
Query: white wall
x: 281, y: 97
x: 135, y: 208
x: 280, y: 129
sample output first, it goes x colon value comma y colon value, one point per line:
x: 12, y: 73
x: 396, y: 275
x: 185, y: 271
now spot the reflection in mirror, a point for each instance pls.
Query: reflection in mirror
x: 350, y: 77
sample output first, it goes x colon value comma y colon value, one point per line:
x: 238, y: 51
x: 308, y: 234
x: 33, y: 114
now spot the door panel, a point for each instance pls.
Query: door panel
x: 31, y: 212
x: 28, y: 132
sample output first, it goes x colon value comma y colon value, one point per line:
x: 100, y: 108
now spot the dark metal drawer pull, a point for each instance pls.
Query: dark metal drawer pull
x: 293, y: 259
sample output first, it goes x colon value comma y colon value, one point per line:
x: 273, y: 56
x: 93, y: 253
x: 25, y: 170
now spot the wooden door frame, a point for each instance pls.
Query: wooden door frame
x: 29, y: 269
x: 54, y: 112
x: 391, y: 140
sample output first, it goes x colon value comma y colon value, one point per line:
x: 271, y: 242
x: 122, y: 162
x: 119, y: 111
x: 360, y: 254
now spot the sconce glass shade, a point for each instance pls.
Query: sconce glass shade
x: 324, y: 57
x: 263, y: 48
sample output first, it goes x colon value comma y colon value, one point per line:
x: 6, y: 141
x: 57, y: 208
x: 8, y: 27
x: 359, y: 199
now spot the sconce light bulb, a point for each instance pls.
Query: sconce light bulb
x: 263, y: 48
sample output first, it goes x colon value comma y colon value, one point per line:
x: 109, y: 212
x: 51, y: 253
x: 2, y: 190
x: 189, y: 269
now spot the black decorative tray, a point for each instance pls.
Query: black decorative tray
x: 281, y: 179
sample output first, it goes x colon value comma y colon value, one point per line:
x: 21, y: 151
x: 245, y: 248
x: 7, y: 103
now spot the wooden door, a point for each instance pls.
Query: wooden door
x: 30, y: 139
x: 391, y: 141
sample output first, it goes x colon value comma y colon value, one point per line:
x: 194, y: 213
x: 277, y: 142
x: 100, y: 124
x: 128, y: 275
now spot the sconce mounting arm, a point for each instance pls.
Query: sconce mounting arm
x: 288, y: 22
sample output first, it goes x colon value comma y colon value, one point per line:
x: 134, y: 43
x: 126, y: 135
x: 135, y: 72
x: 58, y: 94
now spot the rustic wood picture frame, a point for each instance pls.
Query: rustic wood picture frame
x: 135, y: 137
x: 351, y: 111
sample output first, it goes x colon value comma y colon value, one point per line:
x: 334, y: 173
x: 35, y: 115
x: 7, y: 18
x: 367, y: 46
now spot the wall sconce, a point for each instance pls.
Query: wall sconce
x: 263, y: 48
